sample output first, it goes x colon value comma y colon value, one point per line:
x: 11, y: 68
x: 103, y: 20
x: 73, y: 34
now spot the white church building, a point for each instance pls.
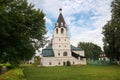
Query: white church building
x: 60, y: 50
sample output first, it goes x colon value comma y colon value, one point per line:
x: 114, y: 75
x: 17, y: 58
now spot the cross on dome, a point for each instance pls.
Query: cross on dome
x: 60, y: 10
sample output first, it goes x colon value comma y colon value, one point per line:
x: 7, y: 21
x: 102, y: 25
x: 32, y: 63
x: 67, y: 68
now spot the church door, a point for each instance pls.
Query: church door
x: 64, y: 63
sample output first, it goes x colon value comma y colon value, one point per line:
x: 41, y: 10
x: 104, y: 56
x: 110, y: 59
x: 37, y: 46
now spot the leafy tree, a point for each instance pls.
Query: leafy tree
x: 111, y: 32
x: 92, y: 51
x: 37, y: 60
x: 22, y: 29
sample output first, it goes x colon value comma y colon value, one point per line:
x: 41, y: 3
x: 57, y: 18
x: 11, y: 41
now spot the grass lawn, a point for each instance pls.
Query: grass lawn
x: 13, y: 74
x: 88, y: 72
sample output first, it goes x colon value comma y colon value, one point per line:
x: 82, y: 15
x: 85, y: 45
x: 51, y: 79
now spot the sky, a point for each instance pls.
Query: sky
x: 84, y: 18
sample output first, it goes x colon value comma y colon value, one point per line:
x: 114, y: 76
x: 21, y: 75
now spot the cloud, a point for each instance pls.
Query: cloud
x: 85, y: 18
x: 48, y: 21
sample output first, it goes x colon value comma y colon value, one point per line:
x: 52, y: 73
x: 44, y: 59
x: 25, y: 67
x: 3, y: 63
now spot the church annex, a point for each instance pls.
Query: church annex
x: 60, y: 50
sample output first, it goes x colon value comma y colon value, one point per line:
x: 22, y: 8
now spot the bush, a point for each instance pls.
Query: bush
x: 10, y: 67
x: 68, y: 63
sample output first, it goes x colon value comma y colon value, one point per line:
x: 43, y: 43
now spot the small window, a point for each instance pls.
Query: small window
x: 59, y: 39
x: 65, y: 39
x: 59, y: 63
x: 58, y: 54
x: 59, y: 46
x: 65, y: 54
x: 56, y: 31
x: 50, y: 63
x: 62, y: 31
x: 65, y: 45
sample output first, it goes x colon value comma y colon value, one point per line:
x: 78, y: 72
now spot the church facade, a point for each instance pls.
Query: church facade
x: 60, y: 50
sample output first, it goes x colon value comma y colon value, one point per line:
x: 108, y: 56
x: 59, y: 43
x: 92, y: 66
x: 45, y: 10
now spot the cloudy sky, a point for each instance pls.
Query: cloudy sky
x: 84, y: 18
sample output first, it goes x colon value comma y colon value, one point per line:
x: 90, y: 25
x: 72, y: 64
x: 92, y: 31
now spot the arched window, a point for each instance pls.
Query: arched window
x: 56, y: 31
x: 65, y: 54
x: 62, y: 31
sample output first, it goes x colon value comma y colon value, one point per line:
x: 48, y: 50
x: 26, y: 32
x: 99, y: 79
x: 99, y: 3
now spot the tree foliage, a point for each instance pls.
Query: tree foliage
x: 92, y: 51
x: 111, y: 32
x: 22, y: 29
x: 37, y: 60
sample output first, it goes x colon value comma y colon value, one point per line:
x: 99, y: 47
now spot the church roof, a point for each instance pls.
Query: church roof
x: 61, y: 21
x: 48, y: 52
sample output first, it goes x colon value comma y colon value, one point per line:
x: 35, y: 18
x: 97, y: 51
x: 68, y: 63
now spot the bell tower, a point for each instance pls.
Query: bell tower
x: 61, y: 41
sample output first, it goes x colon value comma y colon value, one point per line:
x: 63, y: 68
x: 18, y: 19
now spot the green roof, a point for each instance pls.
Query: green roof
x: 75, y: 48
x: 48, y: 52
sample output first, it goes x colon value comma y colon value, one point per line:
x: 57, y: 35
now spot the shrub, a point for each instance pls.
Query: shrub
x: 68, y: 63
x: 10, y: 67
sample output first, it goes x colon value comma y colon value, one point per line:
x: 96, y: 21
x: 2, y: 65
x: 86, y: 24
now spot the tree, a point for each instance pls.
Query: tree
x: 111, y: 32
x: 92, y: 51
x: 22, y: 30
x: 37, y: 60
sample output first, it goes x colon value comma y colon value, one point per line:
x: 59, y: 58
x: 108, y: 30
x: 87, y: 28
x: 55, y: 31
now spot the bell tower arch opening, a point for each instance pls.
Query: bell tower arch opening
x: 62, y: 30
x: 56, y: 31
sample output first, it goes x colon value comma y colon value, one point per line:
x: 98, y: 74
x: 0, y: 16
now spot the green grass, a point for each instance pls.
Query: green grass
x: 7, y: 64
x: 88, y: 72
x: 13, y: 74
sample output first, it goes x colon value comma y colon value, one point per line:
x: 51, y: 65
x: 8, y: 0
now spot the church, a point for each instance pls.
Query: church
x: 60, y: 51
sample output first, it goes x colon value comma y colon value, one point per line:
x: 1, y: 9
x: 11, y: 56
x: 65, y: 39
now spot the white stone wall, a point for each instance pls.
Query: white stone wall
x: 59, y: 61
x: 59, y: 53
x: 61, y: 42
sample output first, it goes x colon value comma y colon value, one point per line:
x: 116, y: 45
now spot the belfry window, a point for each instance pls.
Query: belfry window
x: 56, y: 31
x: 62, y: 31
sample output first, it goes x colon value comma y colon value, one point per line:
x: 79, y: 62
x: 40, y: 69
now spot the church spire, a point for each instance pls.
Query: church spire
x: 60, y: 21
